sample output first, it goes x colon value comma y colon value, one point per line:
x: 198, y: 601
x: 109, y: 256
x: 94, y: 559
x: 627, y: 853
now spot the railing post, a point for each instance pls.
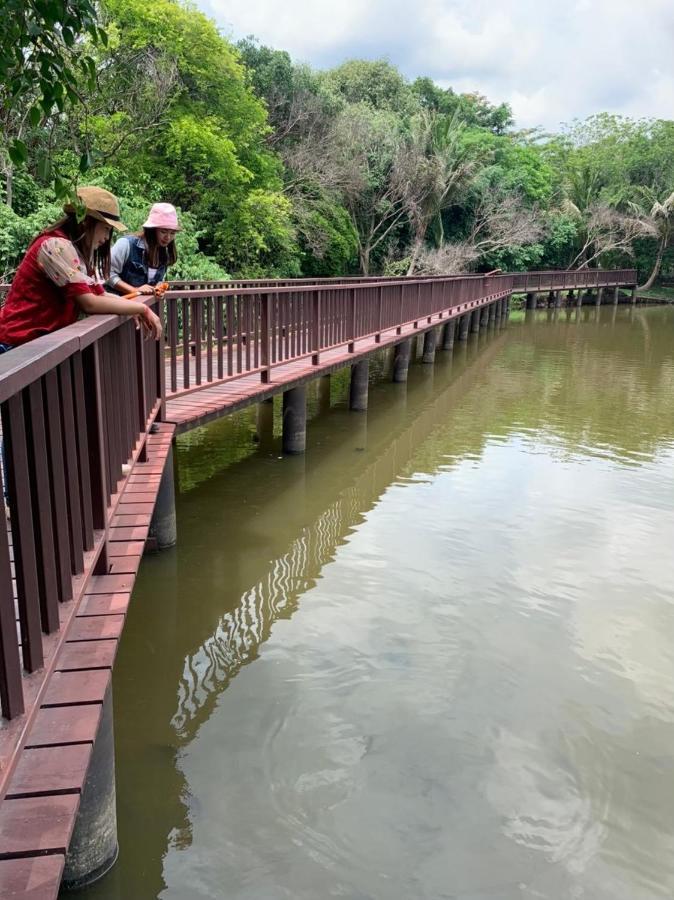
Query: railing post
x: 94, y: 402
x: 352, y: 320
x: 265, y: 339
x: 161, y: 367
x: 377, y: 337
x: 316, y: 324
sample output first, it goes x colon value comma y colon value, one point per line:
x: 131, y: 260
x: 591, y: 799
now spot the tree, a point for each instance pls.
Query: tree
x: 432, y: 164
x: 661, y: 216
x: 44, y: 62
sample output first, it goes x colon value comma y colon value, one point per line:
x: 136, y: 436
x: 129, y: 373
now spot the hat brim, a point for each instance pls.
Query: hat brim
x: 150, y: 224
x: 115, y: 223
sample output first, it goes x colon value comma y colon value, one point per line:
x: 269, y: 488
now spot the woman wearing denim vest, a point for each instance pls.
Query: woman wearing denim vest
x: 139, y: 261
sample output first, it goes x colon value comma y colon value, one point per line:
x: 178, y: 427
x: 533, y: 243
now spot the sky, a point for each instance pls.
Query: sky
x: 552, y: 61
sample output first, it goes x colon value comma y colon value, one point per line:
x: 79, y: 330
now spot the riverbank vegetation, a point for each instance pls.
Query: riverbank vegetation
x: 282, y: 170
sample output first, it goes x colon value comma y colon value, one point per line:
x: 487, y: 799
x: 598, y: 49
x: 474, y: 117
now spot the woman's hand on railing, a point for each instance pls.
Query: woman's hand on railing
x: 150, y: 322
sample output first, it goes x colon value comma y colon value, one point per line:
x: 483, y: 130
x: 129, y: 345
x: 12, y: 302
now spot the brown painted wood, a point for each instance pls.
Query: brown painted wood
x: 95, y: 628
x: 37, y: 825
x: 74, y: 688
x: 50, y: 770
x: 25, y: 559
x: 57, y: 480
x: 11, y: 689
x: 87, y: 654
x: 104, y: 604
x: 110, y: 584
x: 32, y: 877
x: 42, y: 511
x: 65, y: 725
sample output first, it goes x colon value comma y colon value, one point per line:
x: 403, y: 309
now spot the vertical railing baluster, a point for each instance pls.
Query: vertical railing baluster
x: 23, y: 532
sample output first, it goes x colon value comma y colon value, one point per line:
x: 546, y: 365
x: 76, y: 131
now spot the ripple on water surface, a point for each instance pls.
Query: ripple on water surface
x: 435, y: 660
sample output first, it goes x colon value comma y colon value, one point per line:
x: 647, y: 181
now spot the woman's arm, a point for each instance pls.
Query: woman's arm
x: 118, y: 257
x: 101, y: 304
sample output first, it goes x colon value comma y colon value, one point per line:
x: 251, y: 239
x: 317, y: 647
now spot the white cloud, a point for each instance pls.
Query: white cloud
x: 552, y: 60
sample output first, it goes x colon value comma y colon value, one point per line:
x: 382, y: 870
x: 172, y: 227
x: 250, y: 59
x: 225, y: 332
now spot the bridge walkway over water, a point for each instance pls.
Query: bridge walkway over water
x: 88, y: 418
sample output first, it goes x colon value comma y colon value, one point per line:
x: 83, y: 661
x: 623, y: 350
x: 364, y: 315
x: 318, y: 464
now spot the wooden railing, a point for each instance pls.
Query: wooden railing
x: 575, y: 278
x: 74, y: 406
x: 227, y: 332
x: 77, y: 404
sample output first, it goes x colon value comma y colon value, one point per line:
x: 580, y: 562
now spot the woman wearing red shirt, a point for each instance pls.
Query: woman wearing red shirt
x: 62, y: 272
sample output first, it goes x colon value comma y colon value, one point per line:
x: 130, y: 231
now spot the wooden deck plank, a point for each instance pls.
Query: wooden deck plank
x: 37, y: 825
x: 94, y: 628
x: 31, y: 878
x: 50, y: 770
x: 124, y: 565
x: 74, y: 688
x: 111, y: 584
x: 90, y: 654
x: 105, y: 604
x: 65, y: 725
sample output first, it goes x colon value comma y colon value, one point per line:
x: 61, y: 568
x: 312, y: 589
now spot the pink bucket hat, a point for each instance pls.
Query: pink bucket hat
x: 163, y: 215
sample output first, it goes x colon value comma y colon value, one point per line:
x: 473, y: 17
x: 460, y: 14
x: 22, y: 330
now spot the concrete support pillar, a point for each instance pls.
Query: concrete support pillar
x: 324, y: 393
x: 265, y: 423
x: 558, y: 299
x: 579, y: 298
x: 633, y: 298
x: 430, y: 340
x: 464, y: 325
x: 93, y: 847
x: 531, y: 301
x: 616, y: 294
x: 358, y: 389
x: 484, y: 317
x: 600, y: 293
x: 507, y: 304
x: 295, y: 420
x: 448, y: 334
x: 163, y: 531
x: 475, y: 321
x: 492, y: 312
x: 401, y: 361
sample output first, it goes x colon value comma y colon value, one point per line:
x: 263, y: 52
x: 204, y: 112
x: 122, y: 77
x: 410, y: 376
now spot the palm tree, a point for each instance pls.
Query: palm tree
x: 662, y: 219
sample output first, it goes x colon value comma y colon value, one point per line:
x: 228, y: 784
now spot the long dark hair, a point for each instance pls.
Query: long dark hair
x: 158, y: 256
x: 81, y: 235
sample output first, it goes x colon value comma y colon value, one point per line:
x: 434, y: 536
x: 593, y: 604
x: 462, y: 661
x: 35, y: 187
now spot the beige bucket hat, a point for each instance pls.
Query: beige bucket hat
x: 100, y: 204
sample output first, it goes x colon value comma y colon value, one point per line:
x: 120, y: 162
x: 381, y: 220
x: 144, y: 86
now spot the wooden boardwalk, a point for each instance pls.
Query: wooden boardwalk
x: 80, y: 406
x: 203, y: 403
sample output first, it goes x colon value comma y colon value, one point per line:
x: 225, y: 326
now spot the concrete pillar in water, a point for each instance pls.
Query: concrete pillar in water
x: 401, y: 361
x: 579, y: 298
x: 93, y: 847
x: 633, y: 298
x: 616, y: 294
x: 295, y: 420
x: 558, y: 299
x: 491, y: 312
x: 265, y: 423
x: 484, y: 317
x: 163, y: 531
x: 531, y: 301
x: 448, y: 333
x: 507, y: 305
x: 600, y: 292
x: 324, y: 393
x: 430, y: 340
x: 475, y: 321
x: 464, y: 325
x: 358, y: 389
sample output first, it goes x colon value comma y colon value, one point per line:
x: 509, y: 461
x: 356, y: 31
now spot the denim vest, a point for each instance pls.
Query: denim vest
x: 135, y: 267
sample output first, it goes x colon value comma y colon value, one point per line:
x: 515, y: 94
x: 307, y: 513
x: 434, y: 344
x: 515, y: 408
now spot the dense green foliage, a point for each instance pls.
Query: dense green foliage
x: 280, y: 170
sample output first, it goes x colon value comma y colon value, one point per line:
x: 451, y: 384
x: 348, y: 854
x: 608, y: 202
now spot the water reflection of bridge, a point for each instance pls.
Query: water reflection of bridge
x: 345, y: 501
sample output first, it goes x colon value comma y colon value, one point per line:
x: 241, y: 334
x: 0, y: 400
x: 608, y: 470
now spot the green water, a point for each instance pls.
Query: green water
x: 433, y: 658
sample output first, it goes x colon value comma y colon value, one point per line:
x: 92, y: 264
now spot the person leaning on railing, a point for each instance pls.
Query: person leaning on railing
x: 139, y: 261
x: 62, y: 275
